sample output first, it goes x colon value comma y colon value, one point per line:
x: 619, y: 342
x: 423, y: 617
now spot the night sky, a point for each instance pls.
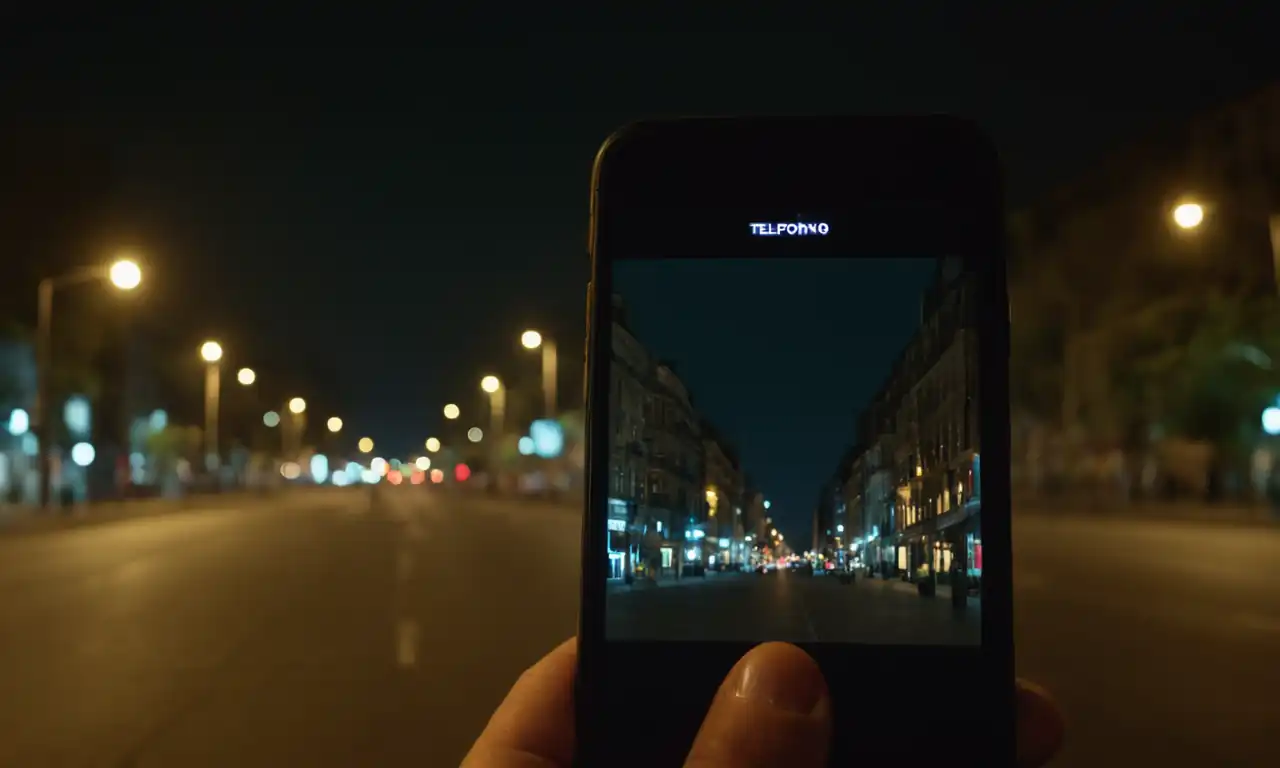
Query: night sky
x: 779, y: 354
x: 373, y: 209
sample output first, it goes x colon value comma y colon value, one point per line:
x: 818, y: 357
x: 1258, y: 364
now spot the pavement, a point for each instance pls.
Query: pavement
x: 789, y: 606
x: 326, y: 631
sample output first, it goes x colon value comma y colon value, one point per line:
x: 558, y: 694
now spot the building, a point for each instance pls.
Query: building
x: 756, y: 531
x: 937, y: 462
x: 878, y: 542
x: 849, y: 515
x: 632, y: 539
x: 725, y: 543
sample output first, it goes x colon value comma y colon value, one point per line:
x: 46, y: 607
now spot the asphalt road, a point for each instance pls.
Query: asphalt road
x: 787, y: 606
x: 330, y: 634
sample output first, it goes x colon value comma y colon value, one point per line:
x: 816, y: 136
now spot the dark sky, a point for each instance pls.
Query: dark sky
x: 779, y: 354
x: 376, y: 207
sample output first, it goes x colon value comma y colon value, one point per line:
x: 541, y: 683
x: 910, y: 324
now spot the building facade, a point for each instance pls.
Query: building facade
x: 725, y: 543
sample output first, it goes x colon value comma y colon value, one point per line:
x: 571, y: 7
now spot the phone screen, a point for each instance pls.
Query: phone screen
x: 794, y: 449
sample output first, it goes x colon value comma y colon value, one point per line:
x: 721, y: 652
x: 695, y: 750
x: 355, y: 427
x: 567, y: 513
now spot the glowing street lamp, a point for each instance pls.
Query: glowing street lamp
x: 334, y: 424
x: 365, y: 445
x: 531, y: 340
x: 452, y: 411
x: 433, y: 444
x: 1188, y: 215
x: 490, y: 384
x: 211, y: 353
x: 246, y: 376
x: 297, y: 405
x: 124, y: 275
x: 475, y: 434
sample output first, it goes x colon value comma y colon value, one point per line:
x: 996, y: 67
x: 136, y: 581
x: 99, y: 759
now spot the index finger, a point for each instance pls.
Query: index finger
x: 534, y: 725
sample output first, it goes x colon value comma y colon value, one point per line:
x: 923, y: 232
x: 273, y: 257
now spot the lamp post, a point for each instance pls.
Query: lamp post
x: 125, y: 275
x: 298, y: 422
x: 533, y: 340
x: 211, y: 353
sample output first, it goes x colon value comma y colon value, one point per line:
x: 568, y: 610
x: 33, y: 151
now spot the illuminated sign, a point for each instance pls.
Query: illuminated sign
x: 789, y: 229
x: 617, y: 525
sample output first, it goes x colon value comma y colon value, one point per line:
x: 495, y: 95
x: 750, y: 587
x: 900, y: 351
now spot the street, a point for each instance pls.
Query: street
x: 326, y: 633
x: 789, y: 606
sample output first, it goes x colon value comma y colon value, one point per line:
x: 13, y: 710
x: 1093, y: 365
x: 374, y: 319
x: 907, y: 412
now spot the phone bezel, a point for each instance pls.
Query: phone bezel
x: 887, y: 185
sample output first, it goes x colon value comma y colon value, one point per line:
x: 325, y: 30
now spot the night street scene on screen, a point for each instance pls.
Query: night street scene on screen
x: 794, y: 452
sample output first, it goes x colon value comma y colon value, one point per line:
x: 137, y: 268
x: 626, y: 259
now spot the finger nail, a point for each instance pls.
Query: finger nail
x: 789, y: 687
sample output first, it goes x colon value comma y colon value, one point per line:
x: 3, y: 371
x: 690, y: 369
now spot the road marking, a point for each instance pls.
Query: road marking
x: 407, y: 643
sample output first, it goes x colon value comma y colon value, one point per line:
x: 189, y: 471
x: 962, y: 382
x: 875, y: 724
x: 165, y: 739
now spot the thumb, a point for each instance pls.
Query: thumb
x: 772, y: 709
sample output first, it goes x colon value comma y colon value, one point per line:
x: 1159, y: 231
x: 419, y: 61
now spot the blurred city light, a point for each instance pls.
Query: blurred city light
x: 82, y: 454
x: 417, y: 477
x: 271, y: 419
x: 490, y: 384
x: 525, y: 446
x: 531, y: 339
x: 767, y: 504
x: 451, y: 411
x: 334, y: 424
x: 365, y: 445
x: 379, y: 465
x: 19, y: 422
x: 1271, y: 421
x: 548, y: 438
x: 290, y: 470
x: 423, y: 463
x: 246, y: 376
x: 158, y: 420
x: 342, y: 478
x: 840, y: 528
x: 475, y: 434
x: 394, y: 477
x: 76, y: 415
x: 462, y: 472
x: 774, y: 531
x: 320, y: 467
x: 369, y: 476
x: 297, y: 405
x: 433, y: 444
x: 211, y: 351
x: 437, y: 475
x: 1188, y: 215
x: 125, y: 274
x: 691, y: 554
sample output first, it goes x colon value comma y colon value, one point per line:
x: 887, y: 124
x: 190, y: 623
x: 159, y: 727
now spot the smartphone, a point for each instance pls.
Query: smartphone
x: 798, y: 430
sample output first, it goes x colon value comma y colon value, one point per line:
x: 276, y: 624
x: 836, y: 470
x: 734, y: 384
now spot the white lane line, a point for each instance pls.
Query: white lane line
x: 407, y: 643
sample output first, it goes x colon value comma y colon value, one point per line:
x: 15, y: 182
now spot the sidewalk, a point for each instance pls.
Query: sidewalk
x: 943, y: 592
x: 614, y: 586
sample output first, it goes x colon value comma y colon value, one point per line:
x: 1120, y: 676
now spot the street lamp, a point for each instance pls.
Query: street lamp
x: 365, y: 445
x: 433, y: 444
x: 334, y: 424
x: 246, y: 376
x: 451, y: 411
x: 297, y: 405
x: 298, y: 408
x: 123, y: 274
x: 533, y: 340
x: 490, y: 384
x: 1188, y: 215
x: 497, y: 403
x: 211, y: 353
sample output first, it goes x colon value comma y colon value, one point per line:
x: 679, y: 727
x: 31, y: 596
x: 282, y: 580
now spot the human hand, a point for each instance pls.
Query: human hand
x: 772, y: 709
